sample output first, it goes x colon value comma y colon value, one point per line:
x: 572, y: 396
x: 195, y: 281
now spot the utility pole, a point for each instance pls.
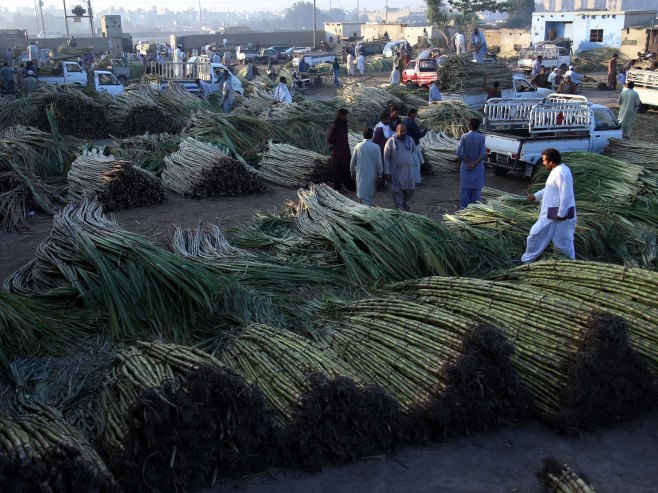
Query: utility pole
x: 200, y: 23
x: 66, y: 20
x: 357, y: 10
x: 91, y: 17
x: 314, y: 28
x: 43, y: 24
x: 386, y: 12
x: 36, y: 16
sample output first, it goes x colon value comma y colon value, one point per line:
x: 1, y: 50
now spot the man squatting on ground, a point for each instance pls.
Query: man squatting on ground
x: 557, y: 215
x: 367, y: 166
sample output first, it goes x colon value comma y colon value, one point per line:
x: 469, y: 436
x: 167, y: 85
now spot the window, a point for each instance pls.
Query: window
x: 604, y: 119
x: 106, y: 80
x: 596, y: 35
x: 73, y: 68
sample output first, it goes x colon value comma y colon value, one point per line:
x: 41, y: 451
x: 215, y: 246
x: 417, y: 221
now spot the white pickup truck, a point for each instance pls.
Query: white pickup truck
x: 161, y: 73
x: 646, y: 85
x: 313, y: 58
x: 552, y: 56
x: 73, y: 74
x: 518, y: 131
x: 521, y: 89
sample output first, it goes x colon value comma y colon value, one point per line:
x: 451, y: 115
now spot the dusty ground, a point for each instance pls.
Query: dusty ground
x: 618, y: 460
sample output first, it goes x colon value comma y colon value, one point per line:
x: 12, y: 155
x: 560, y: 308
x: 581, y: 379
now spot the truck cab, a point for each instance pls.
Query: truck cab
x: 421, y: 72
x: 518, y: 131
x: 70, y: 73
x: 106, y: 82
x: 121, y: 69
x: 392, y: 47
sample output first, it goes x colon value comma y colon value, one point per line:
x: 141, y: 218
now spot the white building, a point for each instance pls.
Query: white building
x: 334, y: 32
x: 570, y: 5
x: 588, y: 29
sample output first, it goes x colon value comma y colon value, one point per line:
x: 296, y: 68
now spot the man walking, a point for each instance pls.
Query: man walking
x: 336, y: 68
x: 399, y: 160
x: 471, y: 151
x: 367, y: 166
x: 414, y: 131
x: 282, y: 93
x: 612, y: 73
x: 557, y: 214
x: 340, y: 151
x: 629, y: 103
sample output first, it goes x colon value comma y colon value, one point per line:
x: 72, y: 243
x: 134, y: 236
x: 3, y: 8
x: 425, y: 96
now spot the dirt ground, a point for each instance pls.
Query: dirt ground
x: 624, y: 459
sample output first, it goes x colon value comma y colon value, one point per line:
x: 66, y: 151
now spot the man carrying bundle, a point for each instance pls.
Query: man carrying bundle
x: 367, y: 166
x: 399, y: 162
x: 557, y: 215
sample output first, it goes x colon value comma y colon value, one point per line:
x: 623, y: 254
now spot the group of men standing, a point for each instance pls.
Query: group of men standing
x: 478, y: 44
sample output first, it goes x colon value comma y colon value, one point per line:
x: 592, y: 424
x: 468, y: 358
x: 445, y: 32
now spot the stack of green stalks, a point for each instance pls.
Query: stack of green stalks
x: 557, y: 477
x: 459, y: 74
x: 136, y: 112
x: 448, y: 117
x: 177, y: 418
x: 41, y: 452
x: 579, y: 366
x: 412, y: 99
x: 136, y: 286
x: 429, y: 361
x: 366, y: 104
x: 439, y: 151
x: 330, y: 415
x: 200, y: 170
x: 146, y: 151
x: 256, y: 103
x: 289, y: 166
x: 626, y: 292
x: 634, y: 152
x: 117, y: 184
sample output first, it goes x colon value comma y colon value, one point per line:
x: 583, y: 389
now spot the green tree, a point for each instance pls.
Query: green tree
x: 435, y: 13
x: 520, y: 12
x: 471, y: 6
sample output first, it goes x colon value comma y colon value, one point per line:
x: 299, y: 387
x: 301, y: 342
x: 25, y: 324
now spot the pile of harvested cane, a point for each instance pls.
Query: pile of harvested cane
x: 459, y: 74
x: 448, y: 117
x: 146, y: 151
x: 578, y: 365
x: 116, y: 183
x: 634, y: 152
x: 367, y: 103
x: 330, y: 415
x: 136, y: 112
x: 439, y: 151
x: 136, y: 287
x: 558, y: 477
x: 41, y: 452
x: 289, y: 166
x: 16, y: 111
x: 411, y: 99
x: 200, y: 170
x: 257, y: 103
x: 307, y: 122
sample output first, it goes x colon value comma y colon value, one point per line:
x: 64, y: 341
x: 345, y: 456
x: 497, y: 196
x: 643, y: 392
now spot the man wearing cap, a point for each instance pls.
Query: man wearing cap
x: 282, y: 93
x: 29, y: 83
x: 536, y: 65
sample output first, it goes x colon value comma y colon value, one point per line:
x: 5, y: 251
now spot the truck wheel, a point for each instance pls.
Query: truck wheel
x: 123, y: 79
x: 500, y: 171
x: 563, y: 66
x: 410, y: 86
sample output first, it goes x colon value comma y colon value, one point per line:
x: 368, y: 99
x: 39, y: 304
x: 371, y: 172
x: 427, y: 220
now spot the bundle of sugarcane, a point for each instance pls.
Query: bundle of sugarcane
x: 449, y: 117
x: 147, y: 151
x: 354, y: 139
x: 557, y: 477
x: 307, y: 122
x: 439, y: 151
x: 75, y: 113
x: 622, y: 291
x: 181, y: 102
x: 200, y: 170
x: 41, y: 452
x: 459, y: 74
x: 117, y: 184
x: 256, y: 271
x: 17, y: 111
x: 428, y: 360
x: 411, y: 99
x: 177, y: 418
x: 136, y: 112
x: 289, y: 166
x: 634, y: 152
x: 378, y: 64
x: 37, y: 152
x: 579, y: 366
x: 330, y: 415
x: 366, y: 103
x: 372, y: 244
x: 595, y: 60
x: 255, y: 104
x: 138, y: 287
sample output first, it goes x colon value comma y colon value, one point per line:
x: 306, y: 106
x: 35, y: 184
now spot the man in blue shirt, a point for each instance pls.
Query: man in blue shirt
x: 414, y: 131
x: 471, y: 151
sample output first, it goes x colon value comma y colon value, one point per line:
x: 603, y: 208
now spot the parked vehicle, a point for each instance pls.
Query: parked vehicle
x: 521, y: 89
x: 280, y: 51
x: 267, y: 54
x: 242, y: 54
x: 646, y: 85
x: 199, y: 67
x: 552, y: 56
x: 71, y: 73
x: 314, y: 58
x: 392, y: 47
x: 518, y: 131
x: 121, y: 69
x: 420, y: 73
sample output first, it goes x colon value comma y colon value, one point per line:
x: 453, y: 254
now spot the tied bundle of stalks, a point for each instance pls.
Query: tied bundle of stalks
x: 289, y: 166
x: 116, y: 183
x: 439, y: 151
x: 411, y: 99
x: 378, y: 64
x: 256, y: 103
x: 579, y: 366
x: 459, y: 74
x: 16, y: 111
x: 147, y: 151
x: 330, y: 416
x: 622, y: 291
x: 366, y: 103
x: 448, y: 117
x: 179, y: 419
x: 200, y: 170
x: 430, y: 361
x: 136, y: 112
x: 633, y: 151
x: 40, y: 452
x: 354, y: 139
x: 74, y: 112
x: 180, y: 102
x: 139, y: 288
x: 558, y: 477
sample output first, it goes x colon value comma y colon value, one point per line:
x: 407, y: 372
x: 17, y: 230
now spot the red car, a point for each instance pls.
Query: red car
x: 420, y: 72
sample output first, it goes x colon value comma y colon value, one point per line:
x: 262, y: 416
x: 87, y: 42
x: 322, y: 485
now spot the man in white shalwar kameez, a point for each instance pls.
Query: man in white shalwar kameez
x: 629, y: 104
x: 350, y: 64
x: 178, y: 62
x: 399, y: 165
x: 361, y: 63
x: 367, y: 166
x: 557, y: 216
